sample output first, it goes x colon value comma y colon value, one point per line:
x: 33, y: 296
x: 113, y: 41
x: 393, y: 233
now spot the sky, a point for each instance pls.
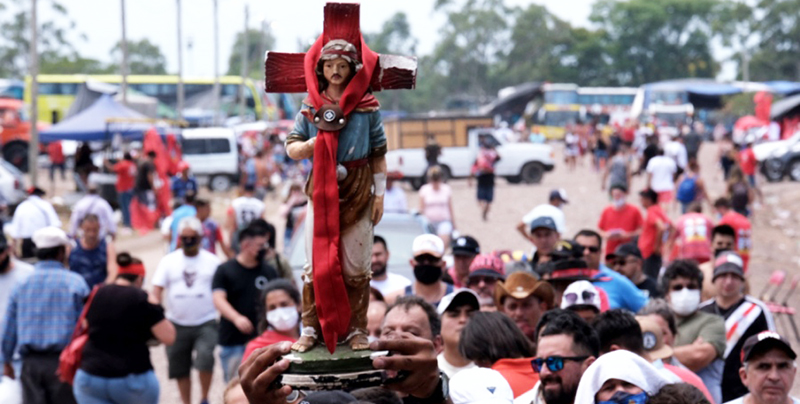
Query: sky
x: 291, y: 21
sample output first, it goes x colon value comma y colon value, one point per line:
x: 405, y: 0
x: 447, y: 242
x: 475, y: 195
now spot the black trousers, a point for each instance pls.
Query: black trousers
x: 40, y: 384
x: 652, y: 266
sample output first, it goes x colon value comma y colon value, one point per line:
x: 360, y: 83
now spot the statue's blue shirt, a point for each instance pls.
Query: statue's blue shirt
x: 362, y: 134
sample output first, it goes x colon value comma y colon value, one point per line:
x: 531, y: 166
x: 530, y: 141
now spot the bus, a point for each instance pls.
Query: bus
x: 58, y: 91
x: 559, y: 109
x: 608, y: 105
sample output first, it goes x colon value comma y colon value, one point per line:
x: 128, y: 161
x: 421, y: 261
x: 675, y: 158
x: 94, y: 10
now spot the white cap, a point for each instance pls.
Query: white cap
x: 50, y: 237
x: 428, y: 244
x: 480, y: 385
x: 585, y: 294
x: 468, y: 296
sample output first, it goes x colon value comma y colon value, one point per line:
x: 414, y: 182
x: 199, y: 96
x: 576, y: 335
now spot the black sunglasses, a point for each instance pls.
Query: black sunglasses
x: 678, y: 288
x: 554, y: 363
x: 593, y: 249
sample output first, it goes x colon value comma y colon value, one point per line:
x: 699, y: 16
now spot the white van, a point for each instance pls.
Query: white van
x: 212, y: 155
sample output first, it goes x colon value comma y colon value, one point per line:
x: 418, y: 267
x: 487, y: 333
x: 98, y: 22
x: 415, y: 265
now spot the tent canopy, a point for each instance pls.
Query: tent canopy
x: 98, y: 123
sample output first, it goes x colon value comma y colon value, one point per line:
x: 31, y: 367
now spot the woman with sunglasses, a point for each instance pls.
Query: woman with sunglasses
x: 492, y: 340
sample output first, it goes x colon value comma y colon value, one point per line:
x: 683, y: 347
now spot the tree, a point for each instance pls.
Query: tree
x: 651, y: 41
x: 779, y: 45
x: 395, y: 37
x: 55, y: 63
x: 258, y: 42
x: 144, y: 57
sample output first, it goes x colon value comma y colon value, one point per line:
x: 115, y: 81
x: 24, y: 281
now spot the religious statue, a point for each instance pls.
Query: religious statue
x: 340, y: 128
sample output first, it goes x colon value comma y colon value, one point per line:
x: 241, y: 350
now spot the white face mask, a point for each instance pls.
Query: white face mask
x: 685, y: 301
x: 283, y: 318
x: 618, y: 203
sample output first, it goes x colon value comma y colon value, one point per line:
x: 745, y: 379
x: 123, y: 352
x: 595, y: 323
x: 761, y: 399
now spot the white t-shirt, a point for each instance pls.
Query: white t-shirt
x: 547, y: 210
x: 187, y: 281
x: 247, y: 209
x: 392, y: 283
x: 18, y: 273
x: 663, y: 170
x: 449, y: 369
x: 740, y: 400
x: 437, y: 203
x: 394, y: 200
x: 33, y: 214
x: 677, y: 152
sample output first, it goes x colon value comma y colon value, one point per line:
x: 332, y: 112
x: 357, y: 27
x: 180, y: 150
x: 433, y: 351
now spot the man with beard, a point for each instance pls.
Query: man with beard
x: 565, y: 349
x: 455, y: 311
x: 12, y: 273
x: 524, y: 298
x: 428, y: 265
x: 383, y: 280
x: 484, y: 272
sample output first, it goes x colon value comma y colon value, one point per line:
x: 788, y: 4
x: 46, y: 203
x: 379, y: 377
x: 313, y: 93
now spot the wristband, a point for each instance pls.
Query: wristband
x: 379, y: 179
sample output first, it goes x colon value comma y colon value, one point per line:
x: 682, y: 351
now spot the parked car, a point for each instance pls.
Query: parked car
x: 213, y: 156
x: 12, y: 185
x: 15, y: 129
x: 398, y: 229
x: 780, y: 158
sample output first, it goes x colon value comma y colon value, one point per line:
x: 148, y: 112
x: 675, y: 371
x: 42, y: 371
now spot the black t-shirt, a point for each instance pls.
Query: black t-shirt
x: 649, y: 152
x: 142, y: 184
x: 732, y: 387
x: 120, y: 319
x: 243, y: 286
x: 650, y: 286
x: 432, y: 154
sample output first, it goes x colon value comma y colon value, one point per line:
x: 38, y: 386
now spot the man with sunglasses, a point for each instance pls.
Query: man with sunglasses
x: 627, y: 260
x: 700, y: 343
x: 187, y: 274
x: 484, y: 272
x: 565, y: 349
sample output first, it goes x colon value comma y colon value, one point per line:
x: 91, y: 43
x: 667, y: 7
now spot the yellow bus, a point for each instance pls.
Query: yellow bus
x: 57, y: 91
x: 559, y: 109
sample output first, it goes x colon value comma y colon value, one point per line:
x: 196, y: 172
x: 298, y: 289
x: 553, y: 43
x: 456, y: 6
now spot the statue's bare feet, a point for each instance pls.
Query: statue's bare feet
x: 304, y: 343
x: 359, y: 342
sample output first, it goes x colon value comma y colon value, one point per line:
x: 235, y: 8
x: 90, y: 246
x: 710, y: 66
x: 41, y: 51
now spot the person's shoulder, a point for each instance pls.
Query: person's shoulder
x: 708, y: 306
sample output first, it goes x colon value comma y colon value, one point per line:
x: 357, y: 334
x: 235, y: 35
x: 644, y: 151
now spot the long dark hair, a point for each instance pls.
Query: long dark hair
x: 491, y: 336
x: 277, y: 284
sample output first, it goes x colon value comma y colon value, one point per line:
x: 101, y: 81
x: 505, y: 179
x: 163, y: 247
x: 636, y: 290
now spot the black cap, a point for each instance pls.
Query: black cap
x: 625, y: 250
x: 650, y: 194
x: 328, y: 397
x: 763, y: 341
x: 559, y: 194
x: 728, y: 262
x: 545, y: 222
x: 249, y: 187
x: 466, y: 245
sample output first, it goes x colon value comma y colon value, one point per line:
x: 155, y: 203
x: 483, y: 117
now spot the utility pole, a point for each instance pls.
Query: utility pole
x: 745, y: 65
x: 261, y: 50
x: 180, y: 66
x: 245, y: 72
x: 216, y: 65
x: 124, y: 66
x: 33, y: 145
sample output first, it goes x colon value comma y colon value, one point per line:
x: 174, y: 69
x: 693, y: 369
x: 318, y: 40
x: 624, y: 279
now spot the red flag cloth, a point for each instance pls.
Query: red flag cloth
x: 763, y: 101
x: 333, y: 307
x: 142, y: 218
x: 153, y: 142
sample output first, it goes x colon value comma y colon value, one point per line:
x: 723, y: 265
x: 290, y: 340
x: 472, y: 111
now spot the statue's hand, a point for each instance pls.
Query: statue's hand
x: 301, y: 150
x: 377, y: 209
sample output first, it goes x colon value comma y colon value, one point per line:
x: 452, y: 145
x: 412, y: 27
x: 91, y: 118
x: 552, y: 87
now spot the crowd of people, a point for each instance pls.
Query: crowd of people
x: 636, y: 308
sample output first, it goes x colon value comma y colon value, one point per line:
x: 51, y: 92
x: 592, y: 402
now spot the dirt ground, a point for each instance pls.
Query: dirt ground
x: 775, y: 233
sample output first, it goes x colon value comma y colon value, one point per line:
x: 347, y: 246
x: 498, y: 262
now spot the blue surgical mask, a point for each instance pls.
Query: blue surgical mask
x: 622, y: 397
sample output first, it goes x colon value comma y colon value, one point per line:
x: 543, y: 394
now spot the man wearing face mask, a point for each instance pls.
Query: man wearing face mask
x: 186, y: 275
x: 621, y: 221
x: 237, y: 290
x: 744, y: 316
x: 700, y: 343
x: 428, y: 265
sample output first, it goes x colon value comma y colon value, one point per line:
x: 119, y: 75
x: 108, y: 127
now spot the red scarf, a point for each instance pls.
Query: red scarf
x: 333, y: 306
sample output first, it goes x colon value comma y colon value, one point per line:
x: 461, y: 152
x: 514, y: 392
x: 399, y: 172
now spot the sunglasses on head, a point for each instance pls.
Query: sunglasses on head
x: 678, y: 288
x: 572, y: 297
x: 554, y: 363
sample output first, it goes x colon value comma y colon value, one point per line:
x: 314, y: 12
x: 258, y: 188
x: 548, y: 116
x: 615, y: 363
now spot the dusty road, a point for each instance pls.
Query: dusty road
x: 776, y: 234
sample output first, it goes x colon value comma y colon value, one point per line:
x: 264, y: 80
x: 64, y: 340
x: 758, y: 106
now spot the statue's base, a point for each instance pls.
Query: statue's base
x: 345, y: 369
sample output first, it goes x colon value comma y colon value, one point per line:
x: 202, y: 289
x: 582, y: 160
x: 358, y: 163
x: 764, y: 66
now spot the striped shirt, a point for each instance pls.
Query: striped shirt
x: 43, y: 310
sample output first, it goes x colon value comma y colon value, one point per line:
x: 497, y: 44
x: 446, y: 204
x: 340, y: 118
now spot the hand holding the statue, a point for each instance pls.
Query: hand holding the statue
x: 411, y: 357
x: 260, y: 371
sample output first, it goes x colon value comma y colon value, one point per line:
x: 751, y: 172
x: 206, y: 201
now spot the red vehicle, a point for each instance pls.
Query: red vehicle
x: 15, y: 132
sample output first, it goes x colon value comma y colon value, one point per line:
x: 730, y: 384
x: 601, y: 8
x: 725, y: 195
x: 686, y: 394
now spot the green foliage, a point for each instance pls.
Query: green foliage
x: 144, y: 57
x: 257, y: 44
x: 55, y: 63
x: 779, y: 31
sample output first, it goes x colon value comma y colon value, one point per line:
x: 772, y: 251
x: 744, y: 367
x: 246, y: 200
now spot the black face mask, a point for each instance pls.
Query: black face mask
x: 261, y: 253
x: 5, y: 264
x: 427, y: 274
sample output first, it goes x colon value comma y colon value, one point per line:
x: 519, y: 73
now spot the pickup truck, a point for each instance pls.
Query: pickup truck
x: 519, y: 162
x: 15, y: 132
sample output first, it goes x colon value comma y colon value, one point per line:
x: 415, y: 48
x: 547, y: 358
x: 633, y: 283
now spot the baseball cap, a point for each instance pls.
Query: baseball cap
x: 625, y: 250
x: 653, y: 339
x: 35, y: 191
x: 249, y: 187
x: 480, y: 386
x: 728, y: 262
x: 183, y: 165
x: 466, y: 245
x: 328, y: 397
x: 764, y: 340
x: 568, y: 265
x: 559, y: 194
x: 488, y: 265
x: 428, y: 244
x: 545, y: 222
x: 458, y: 298
x: 581, y: 293
x: 520, y: 285
x: 50, y: 237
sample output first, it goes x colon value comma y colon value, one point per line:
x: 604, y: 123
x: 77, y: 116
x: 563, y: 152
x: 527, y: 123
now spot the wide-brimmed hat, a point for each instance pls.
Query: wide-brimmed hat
x: 520, y: 285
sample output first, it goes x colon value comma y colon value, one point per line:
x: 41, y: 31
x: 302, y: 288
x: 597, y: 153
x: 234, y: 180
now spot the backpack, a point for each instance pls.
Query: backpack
x: 687, y: 190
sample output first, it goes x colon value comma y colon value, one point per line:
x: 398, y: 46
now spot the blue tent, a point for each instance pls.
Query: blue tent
x: 98, y: 123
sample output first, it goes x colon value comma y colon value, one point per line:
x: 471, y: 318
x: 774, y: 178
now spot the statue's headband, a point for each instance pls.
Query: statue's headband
x: 339, y: 48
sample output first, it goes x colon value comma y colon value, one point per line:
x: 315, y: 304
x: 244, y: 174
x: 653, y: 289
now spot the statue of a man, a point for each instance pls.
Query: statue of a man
x: 361, y: 181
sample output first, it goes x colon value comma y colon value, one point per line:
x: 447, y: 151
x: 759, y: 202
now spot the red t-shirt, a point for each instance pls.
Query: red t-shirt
x: 741, y: 225
x: 518, y: 373
x: 266, y: 339
x: 626, y: 219
x: 647, y: 240
x: 56, y: 153
x: 126, y: 174
x: 693, y: 237
x: 748, y: 162
x: 628, y: 134
x: 691, y: 378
